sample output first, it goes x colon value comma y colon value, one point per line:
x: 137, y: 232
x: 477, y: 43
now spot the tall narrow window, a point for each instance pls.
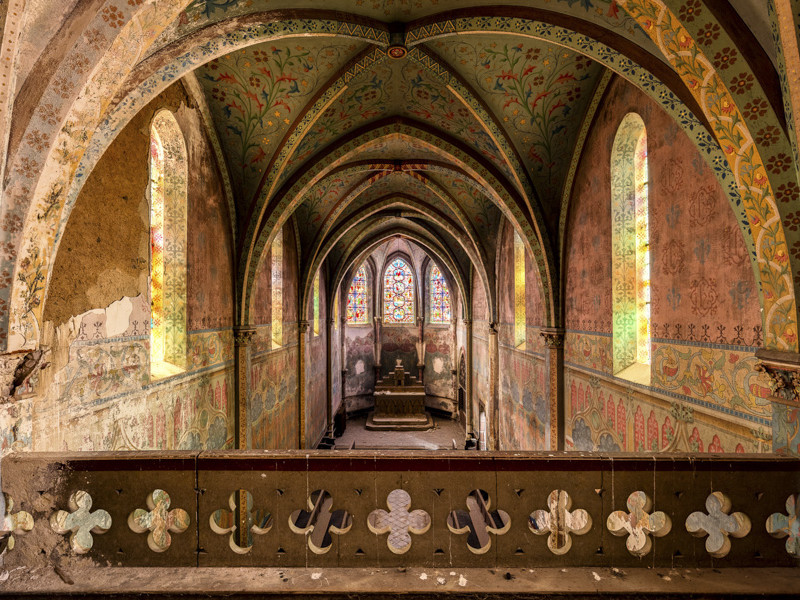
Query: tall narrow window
x: 277, y: 290
x: 520, y: 322
x: 630, y: 246
x: 398, y: 293
x: 357, y: 299
x: 168, y: 185
x: 439, y: 296
x: 316, y: 304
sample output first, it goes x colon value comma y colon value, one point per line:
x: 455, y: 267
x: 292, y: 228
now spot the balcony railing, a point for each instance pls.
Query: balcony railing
x: 351, y: 509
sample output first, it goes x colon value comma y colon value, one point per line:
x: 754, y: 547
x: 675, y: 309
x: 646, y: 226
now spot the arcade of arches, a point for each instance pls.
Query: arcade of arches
x: 224, y: 222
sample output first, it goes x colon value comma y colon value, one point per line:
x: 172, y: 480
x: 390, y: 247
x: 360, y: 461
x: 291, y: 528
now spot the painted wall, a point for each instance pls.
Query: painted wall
x: 705, y: 316
x: 399, y: 342
x: 524, y: 412
x: 359, y: 343
x: 96, y: 392
x: 272, y: 408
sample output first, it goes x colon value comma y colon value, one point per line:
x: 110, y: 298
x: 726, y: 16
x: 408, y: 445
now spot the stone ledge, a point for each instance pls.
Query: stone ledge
x: 411, y: 583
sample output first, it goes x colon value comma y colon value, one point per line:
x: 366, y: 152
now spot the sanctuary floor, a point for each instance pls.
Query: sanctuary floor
x: 440, y: 437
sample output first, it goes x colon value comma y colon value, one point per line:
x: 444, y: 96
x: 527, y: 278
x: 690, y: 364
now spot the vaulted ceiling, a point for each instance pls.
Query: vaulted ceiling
x: 379, y: 120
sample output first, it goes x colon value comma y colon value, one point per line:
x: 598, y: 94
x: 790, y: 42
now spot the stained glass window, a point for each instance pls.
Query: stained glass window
x: 157, y: 329
x: 520, y: 320
x: 398, y: 293
x: 357, y: 298
x: 168, y: 185
x: 277, y: 290
x: 439, y: 297
x: 630, y: 243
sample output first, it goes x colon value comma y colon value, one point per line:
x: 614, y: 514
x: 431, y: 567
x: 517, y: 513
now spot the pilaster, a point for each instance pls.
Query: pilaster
x: 554, y: 364
x: 494, y: 385
x: 329, y: 373
x: 302, y: 329
x: 242, y: 338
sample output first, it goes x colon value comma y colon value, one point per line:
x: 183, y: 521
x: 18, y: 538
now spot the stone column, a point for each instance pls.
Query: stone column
x: 242, y: 337
x: 554, y: 367
x: 343, y: 351
x: 421, y: 350
x: 329, y: 373
x: 302, y: 329
x: 468, y: 376
x: 494, y: 387
x: 377, y: 348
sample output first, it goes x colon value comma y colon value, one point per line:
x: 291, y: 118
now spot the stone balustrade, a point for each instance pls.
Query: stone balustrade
x: 389, y: 509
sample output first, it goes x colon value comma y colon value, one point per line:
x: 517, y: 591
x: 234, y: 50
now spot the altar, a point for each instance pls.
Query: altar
x: 399, y: 403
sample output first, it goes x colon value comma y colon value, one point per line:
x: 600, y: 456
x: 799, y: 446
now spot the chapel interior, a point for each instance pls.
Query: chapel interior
x: 279, y: 257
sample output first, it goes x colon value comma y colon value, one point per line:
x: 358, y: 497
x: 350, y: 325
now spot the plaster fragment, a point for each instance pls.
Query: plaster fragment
x: 462, y: 581
x: 423, y: 576
x: 316, y: 575
x: 596, y: 576
x: 441, y: 580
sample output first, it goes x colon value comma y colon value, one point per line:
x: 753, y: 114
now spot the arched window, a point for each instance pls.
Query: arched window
x: 630, y: 247
x: 398, y: 293
x: 439, y: 296
x: 168, y: 185
x: 520, y: 322
x: 277, y: 290
x: 357, y: 299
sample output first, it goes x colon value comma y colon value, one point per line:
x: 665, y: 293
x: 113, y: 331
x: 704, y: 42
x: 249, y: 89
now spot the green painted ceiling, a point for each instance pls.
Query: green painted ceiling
x: 511, y: 105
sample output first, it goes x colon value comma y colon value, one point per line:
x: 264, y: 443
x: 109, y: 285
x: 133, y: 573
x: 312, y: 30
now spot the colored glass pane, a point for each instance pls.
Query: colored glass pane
x: 642, y: 252
x: 520, y: 320
x: 277, y: 289
x: 157, y: 329
x: 168, y: 222
x: 398, y: 293
x: 630, y: 245
x: 357, y: 298
x: 439, y: 297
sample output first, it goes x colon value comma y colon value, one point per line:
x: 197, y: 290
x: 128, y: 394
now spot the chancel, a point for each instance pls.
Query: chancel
x: 427, y: 297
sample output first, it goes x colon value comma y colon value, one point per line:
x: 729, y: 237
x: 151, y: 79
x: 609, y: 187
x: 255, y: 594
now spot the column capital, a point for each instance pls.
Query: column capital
x: 493, y: 327
x: 553, y: 336
x: 242, y: 336
x: 783, y: 370
x: 303, y: 326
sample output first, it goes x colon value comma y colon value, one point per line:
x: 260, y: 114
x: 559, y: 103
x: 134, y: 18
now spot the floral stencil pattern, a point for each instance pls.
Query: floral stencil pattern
x: 255, y: 94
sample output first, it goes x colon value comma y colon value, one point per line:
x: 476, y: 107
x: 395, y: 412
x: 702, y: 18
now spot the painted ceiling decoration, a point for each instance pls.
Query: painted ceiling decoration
x: 432, y: 118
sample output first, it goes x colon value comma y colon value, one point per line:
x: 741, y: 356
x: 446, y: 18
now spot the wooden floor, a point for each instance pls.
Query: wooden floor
x: 439, y: 438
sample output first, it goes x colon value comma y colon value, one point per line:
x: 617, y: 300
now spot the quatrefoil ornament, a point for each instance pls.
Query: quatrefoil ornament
x: 398, y: 521
x: 788, y: 525
x: 718, y: 525
x: 559, y: 522
x: 13, y: 523
x: 159, y: 521
x: 241, y: 521
x: 80, y: 523
x: 318, y: 523
x: 638, y: 524
x: 479, y: 521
